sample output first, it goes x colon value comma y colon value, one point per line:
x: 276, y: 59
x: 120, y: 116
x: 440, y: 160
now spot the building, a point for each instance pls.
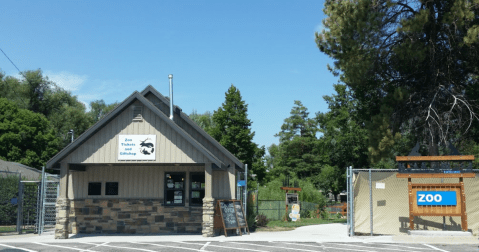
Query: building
x: 140, y: 170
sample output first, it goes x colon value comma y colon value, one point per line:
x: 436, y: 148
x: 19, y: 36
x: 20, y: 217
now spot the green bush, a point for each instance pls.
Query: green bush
x: 325, y: 215
x: 339, y: 215
x: 308, y: 193
x: 286, y: 217
x: 261, y: 220
x: 8, y: 191
x: 305, y: 214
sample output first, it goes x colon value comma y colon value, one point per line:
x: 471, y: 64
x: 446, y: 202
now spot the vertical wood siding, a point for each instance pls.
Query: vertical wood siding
x: 189, y: 129
x: 133, y: 181
x: 102, y: 147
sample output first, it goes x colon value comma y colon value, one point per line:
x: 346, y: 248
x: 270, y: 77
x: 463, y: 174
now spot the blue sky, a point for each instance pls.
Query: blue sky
x: 108, y: 49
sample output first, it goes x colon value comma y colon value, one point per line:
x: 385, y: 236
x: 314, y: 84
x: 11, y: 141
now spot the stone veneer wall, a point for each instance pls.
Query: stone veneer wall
x: 132, y: 216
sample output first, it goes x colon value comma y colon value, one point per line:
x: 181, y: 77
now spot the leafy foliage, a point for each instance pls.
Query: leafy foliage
x: 411, y: 65
x: 37, y: 116
x: 25, y: 136
x: 261, y: 220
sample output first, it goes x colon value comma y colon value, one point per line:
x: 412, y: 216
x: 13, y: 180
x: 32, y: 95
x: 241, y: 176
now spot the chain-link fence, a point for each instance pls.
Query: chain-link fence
x: 46, y: 206
x: 380, y: 204
x: 18, y: 203
x: 276, y: 209
x: 9, y: 208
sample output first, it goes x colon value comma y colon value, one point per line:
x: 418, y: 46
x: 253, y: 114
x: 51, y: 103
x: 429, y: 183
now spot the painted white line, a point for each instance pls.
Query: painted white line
x: 118, y: 247
x: 101, y: 244
x: 64, y: 247
x: 17, y: 248
x: 277, y: 247
x: 206, y: 245
x: 323, y: 246
x: 223, y: 246
x: 359, y: 246
x: 166, y: 246
x: 386, y: 244
x: 435, y: 248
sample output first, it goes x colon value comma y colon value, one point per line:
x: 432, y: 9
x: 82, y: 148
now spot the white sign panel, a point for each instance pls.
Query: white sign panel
x: 136, y: 147
x: 380, y: 185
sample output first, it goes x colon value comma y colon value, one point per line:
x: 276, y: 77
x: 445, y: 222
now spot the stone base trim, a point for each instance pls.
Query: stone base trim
x: 62, y: 218
x: 132, y: 216
x: 208, y: 217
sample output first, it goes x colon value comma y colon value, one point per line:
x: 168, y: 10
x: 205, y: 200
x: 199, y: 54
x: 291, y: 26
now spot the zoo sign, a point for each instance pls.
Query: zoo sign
x: 436, y: 198
x: 136, y: 147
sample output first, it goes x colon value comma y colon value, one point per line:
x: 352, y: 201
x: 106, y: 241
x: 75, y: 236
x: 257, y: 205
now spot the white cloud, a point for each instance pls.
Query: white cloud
x: 66, y: 80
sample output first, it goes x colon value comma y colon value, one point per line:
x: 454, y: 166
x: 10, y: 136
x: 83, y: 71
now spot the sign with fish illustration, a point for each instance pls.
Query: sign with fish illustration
x: 136, y: 147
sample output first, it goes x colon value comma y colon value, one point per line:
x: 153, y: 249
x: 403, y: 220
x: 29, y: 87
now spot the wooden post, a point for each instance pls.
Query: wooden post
x: 411, y: 216
x: 286, y: 213
x: 463, y: 207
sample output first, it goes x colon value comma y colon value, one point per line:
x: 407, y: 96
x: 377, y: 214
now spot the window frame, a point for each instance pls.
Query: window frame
x: 166, y: 189
x: 200, y: 189
x: 118, y: 189
x: 101, y: 188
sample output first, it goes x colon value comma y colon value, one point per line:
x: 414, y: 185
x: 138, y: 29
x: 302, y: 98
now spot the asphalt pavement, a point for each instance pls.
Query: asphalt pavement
x: 328, y: 237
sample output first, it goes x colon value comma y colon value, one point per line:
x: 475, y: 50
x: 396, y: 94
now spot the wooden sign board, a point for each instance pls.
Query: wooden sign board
x: 229, y: 214
x: 436, y: 210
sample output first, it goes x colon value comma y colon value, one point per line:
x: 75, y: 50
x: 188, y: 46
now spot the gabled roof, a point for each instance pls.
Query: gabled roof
x: 115, y: 112
x: 152, y: 90
x: 28, y: 172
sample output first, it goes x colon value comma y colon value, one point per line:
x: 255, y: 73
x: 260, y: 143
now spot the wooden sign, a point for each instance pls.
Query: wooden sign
x: 229, y: 214
x: 292, y: 199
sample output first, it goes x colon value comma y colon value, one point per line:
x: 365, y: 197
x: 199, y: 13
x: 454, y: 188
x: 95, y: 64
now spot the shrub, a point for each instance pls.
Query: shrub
x: 339, y: 215
x: 305, y: 214
x: 286, y: 217
x: 325, y: 215
x: 261, y: 220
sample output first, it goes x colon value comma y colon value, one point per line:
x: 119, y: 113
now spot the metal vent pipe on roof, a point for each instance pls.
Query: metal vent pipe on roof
x: 170, y: 76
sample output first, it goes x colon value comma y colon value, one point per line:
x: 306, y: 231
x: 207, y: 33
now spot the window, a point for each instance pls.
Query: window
x: 197, y: 188
x: 137, y: 111
x: 174, y: 188
x: 94, y: 188
x: 111, y: 188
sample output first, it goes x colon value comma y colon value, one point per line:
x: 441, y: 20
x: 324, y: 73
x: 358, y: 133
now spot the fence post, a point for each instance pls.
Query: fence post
x: 371, y: 202
x: 19, y: 204
x: 348, y: 219
x: 351, y: 191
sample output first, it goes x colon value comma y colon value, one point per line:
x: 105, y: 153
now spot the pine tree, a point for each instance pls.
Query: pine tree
x: 232, y: 129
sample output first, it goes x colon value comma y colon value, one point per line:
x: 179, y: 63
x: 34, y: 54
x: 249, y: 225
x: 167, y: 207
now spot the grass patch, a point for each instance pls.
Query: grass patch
x: 278, y: 225
x: 8, y: 228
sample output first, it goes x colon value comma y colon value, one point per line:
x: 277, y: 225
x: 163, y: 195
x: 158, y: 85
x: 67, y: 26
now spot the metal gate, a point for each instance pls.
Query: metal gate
x: 46, y: 209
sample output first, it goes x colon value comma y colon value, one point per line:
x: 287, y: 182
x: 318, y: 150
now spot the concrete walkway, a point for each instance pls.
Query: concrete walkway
x: 313, y: 233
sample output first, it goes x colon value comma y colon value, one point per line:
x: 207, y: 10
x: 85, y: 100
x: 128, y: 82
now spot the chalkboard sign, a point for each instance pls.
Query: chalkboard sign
x: 229, y: 215
x: 240, y: 215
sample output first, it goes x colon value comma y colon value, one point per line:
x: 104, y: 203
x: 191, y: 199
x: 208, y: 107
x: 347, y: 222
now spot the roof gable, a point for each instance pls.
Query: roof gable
x: 117, y: 111
x: 191, y: 128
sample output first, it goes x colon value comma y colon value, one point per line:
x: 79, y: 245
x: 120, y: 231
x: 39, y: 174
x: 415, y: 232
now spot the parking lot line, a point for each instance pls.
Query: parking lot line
x: 166, y: 246
x: 104, y: 245
x: 323, y: 246
x: 361, y: 246
x: 223, y: 246
x: 278, y: 247
x: 204, y: 246
x: 8, y: 246
x: 435, y: 248
x: 401, y: 246
x: 58, y: 246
